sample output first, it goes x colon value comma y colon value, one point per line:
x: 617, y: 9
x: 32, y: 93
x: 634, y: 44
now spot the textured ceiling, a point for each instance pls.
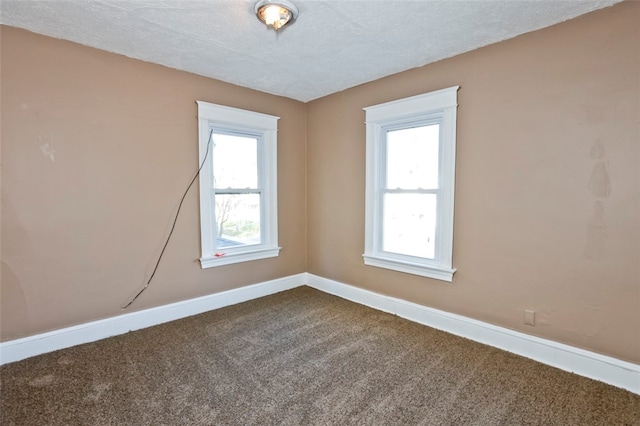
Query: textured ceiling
x: 332, y: 46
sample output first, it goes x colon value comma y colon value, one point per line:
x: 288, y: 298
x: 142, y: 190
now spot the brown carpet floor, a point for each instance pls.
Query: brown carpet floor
x: 300, y: 357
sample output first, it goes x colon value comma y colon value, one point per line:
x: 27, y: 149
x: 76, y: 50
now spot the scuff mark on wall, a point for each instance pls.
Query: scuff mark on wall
x: 597, y: 151
x: 591, y: 327
x: 599, y: 186
x: 596, y: 233
x: 47, y: 148
x: 14, y: 312
x: 599, y: 183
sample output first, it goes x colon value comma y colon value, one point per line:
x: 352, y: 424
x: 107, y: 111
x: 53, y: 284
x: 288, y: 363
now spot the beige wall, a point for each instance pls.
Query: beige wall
x: 97, y: 152
x: 544, y: 121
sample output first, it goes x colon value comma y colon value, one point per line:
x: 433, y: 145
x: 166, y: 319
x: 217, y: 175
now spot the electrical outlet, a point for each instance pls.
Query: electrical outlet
x: 529, y: 317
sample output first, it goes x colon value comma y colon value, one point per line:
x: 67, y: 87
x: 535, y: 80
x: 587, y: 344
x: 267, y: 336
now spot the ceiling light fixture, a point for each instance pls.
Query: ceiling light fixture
x: 276, y: 13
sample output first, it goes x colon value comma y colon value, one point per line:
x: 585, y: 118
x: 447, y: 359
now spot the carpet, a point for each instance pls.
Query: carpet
x: 300, y: 357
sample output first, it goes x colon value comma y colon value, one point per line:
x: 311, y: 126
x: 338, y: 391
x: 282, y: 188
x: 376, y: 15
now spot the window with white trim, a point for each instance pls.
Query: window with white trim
x: 238, y: 185
x: 410, y: 179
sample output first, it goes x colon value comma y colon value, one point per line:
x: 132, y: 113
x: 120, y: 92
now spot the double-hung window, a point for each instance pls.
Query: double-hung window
x: 410, y: 174
x: 238, y: 187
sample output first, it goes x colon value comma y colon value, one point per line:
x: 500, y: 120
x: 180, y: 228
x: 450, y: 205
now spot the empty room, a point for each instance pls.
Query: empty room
x: 257, y: 212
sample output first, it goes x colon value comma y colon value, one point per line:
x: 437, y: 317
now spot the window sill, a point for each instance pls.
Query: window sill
x: 237, y: 257
x: 431, y: 271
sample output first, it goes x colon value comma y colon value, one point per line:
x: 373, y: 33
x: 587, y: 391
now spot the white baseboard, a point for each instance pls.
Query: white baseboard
x: 15, y: 350
x: 606, y: 369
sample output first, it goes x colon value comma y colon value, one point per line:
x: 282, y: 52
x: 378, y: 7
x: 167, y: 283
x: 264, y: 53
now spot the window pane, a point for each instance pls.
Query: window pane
x: 235, y: 161
x: 412, y: 157
x: 237, y: 219
x: 409, y: 224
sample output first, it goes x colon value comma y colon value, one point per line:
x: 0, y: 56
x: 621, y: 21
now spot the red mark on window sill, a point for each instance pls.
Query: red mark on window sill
x: 219, y: 254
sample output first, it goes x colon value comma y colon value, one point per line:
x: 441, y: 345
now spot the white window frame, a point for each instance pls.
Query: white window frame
x: 212, y: 117
x: 429, y: 108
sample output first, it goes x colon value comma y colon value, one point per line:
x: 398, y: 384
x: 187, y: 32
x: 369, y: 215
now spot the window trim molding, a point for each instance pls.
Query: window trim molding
x: 441, y: 104
x: 213, y: 116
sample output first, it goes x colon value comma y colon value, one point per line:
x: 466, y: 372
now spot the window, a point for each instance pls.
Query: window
x: 238, y: 187
x: 410, y: 174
